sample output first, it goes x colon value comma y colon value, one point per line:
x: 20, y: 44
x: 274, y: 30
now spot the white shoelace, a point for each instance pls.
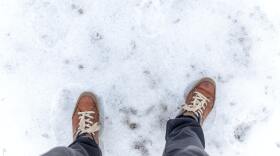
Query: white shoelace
x: 85, y: 124
x: 197, y: 105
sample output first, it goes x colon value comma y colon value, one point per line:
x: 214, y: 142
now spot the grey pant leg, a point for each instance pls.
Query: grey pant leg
x: 83, y: 146
x: 65, y: 151
x: 184, y: 137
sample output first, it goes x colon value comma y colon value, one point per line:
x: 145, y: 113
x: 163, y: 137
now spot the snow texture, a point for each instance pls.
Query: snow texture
x: 140, y: 57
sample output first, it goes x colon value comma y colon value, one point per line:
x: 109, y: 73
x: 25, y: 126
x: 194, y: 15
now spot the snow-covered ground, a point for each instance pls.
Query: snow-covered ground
x: 139, y: 57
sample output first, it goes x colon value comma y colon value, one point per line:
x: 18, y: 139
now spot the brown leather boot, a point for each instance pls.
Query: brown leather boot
x: 200, y: 100
x: 85, y: 119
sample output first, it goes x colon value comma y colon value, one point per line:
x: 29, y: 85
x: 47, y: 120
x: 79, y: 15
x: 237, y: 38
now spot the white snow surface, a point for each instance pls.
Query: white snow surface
x: 139, y: 57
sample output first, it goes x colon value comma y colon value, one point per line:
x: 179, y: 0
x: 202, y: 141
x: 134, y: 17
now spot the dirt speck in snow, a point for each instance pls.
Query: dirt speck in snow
x: 241, y: 131
x: 141, y: 146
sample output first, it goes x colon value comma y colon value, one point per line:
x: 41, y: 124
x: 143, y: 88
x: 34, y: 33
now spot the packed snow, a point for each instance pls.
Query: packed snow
x: 140, y: 57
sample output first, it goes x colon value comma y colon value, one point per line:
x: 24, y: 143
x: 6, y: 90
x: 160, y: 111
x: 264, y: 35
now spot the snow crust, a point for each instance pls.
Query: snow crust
x: 139, y: 57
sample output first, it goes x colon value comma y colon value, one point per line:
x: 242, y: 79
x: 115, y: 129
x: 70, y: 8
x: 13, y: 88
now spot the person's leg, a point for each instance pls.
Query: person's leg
x: 85, y: 122
x: 83, y: 146
x: 184, y: 135
x: 88, y: 146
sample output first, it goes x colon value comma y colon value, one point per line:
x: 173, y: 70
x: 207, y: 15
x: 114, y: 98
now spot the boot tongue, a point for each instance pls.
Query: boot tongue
x: 85, y: 135
x: 192, y: 115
